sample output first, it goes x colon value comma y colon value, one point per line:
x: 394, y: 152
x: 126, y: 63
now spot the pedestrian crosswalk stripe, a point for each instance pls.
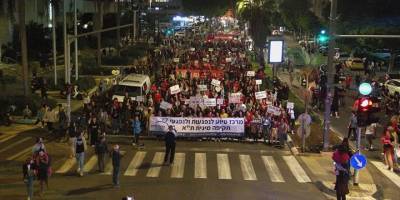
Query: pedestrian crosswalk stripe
x: 135, y: 163
x: 155, y: 167
x: 7, y: 137
x: 66, y: 166
x: 247, y: 168
x: 108, y: 166
x: 272, y: 169
x: 390, y: 175
x: 200, y: 165
x: 296, y: 169
x: 14, y: 144
x: 178, y: 167
x: 89, y: 165
x: 27, y: 151
x: 224, y: 169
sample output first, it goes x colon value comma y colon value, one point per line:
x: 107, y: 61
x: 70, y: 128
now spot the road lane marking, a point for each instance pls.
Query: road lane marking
x: 6, y: 137
x: 389, y: 174
x: 27, y: 151
x: 66, y: 166
x: 247, y: 168
x: 108, y: 167
x: 15, y: 144
x: 272, y: 169
x: 155, y: 167
x: 296, y: 169
x: 224, y: 169
x: 178, y: 168
x: 200, y: 165
x: 90, y: 164
x: 135, y: 163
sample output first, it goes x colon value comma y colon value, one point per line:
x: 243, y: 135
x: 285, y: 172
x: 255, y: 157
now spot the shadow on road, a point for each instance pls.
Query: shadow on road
x: 89, y: 189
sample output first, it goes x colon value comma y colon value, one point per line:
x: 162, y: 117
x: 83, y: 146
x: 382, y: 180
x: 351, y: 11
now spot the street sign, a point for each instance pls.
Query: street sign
x: 358, y: 161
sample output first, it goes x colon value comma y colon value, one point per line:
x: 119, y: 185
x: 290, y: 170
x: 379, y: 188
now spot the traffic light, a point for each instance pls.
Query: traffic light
x: 365, y: 106
x: 323, y: 37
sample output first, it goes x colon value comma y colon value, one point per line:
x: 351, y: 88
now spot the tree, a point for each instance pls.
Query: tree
x: 208, y: 8
x: 259, y: 14
x: 24, y: 49
x: 297, y: 16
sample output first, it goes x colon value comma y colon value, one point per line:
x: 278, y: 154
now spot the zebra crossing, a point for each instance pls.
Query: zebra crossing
x: 198, y: 165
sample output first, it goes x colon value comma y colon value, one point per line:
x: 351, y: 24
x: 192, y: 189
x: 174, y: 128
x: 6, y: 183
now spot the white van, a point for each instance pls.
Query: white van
x: 134, y: 84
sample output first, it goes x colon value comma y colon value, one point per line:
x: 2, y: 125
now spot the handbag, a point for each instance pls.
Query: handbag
x: 398, y: 152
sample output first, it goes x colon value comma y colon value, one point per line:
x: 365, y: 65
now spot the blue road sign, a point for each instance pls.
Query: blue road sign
x: 358, y: 161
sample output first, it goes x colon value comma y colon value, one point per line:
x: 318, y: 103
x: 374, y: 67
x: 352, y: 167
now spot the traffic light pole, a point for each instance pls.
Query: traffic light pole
x: 330, y: 74
x: 358, y: 146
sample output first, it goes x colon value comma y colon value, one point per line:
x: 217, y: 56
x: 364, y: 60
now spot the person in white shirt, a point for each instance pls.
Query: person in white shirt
x: 370, y: 133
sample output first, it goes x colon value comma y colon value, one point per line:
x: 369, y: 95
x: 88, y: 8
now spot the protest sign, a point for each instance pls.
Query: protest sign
x: 258, y: 82
x: 251, y: 73
x: 175, y: 89
x: 202, y: 87
x: 235, y: 97
x: 165, y: 105
x: 139, y: 98
x: 220, y: 101
x: 198, y: 127
x: 215, y: 82
x: 274, y: 110
x: 290, y: 105
x: 176, y: 60
x: 261, y: 95
x: 210, y: 102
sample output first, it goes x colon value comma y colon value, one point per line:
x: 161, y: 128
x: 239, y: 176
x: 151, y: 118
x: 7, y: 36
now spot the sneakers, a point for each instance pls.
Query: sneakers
x: 78, y: 170
x: 133, y: 144
x: 81, y: 173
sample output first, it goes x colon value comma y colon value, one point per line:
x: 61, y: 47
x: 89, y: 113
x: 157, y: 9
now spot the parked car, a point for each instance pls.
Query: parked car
x: 354, y: 63
x: 180, y: 34
x: 393, y: 86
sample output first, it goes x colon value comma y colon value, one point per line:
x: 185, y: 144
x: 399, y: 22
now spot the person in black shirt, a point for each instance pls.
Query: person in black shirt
x: 101, y: 150
x: 116, y: 163
x: 170, y: 145
x: 93, y: 130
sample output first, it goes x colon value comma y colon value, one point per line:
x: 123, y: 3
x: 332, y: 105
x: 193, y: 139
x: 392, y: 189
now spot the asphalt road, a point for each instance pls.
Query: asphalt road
x: 202, y: 170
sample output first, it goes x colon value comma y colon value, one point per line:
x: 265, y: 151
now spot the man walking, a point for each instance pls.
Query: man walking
x: 170, y: 145
x: 352, y: 127
x: 116, y: 161
x: 80, y: 147
x: 101, y: 150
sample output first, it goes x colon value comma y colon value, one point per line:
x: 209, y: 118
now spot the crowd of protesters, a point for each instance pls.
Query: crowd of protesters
x: 190, y: 64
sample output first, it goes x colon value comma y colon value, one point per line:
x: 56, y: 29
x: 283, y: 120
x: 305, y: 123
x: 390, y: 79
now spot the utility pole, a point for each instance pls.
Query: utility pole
x: 76, y: 41
x: 24, y: 48
x: 65, y: 40
x: 53, y: 33
x: 330, y: 74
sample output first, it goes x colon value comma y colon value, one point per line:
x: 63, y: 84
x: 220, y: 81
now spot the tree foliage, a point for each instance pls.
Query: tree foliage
x: 296, y: 15
x: 208, y: 8
x: 259, y: 14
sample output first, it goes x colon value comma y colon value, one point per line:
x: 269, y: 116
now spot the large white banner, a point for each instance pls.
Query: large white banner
x: 198, y: 127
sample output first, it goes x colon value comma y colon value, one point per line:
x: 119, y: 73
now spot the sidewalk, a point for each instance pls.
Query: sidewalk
x: 322, y: 168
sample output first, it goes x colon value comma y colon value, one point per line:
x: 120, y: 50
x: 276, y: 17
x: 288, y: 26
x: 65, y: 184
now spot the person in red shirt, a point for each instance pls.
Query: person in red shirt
x: 247, y: 122
x: 157, y: 97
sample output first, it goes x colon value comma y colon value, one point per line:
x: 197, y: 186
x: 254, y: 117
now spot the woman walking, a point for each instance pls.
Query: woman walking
x: 28, y: 170
x: 42, y: 162
x: 341, y: 160
x: 387, y: 141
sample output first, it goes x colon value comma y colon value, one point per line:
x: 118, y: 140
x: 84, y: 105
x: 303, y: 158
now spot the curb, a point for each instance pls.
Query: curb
x: 362, y: 191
